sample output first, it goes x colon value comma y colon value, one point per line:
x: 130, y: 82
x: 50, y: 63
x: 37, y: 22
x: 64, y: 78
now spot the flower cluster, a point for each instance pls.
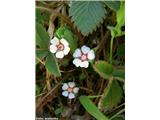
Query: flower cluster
x: 82, y: 56
x: 69, y: 90
x: 60, y: 47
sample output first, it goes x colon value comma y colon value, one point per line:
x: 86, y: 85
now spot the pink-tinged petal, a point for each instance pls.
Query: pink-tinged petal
x: 77, y: 62
x: 53, y: 48
x: 65, y: 93
x: 77, y: 53
x: 84, y: 64
x: 71, y: 84
x: 66, y: 50
x: 59, y: 54
x: 65, y: 86
x: 91, y: 55
x: 85, y: 49
x: 55, y: 41
x: 75, y: 90
x: 64, y: 42
x: 71, y: 96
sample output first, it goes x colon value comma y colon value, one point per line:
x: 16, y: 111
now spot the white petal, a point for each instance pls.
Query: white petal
x: 71, y: 84
x: 65, y: 93
x: 65, y: 86
x: 84, y: 64
x: 64, y: 42
x: 77, y: 53
x: 85, y: 49
x: 75, y: 90
x: 55, y: 41
x: 77, y: 62
x: 66, y: 50
x: 71, y: 96
x: 91, y: 55
x: 59, y: 54
x: 53, y: 48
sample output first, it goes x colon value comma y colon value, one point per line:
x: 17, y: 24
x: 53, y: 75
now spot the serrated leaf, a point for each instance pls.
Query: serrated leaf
x: 112, y: 96
x: 87, y: 15
x: 91, y: 108
x: 103, y: 68
x: 115, y: 5
x: 52, y: 65
x: 42, y: 37
x: 40, y: 54
x: 60, y: 32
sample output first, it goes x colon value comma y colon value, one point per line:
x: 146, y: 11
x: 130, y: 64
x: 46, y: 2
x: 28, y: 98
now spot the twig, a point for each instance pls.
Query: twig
x: 86, y: 89
x: 103, y: 41
x: 40, y: 61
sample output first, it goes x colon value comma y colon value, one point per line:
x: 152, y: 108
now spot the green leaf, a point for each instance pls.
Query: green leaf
x: 68, y: 35
x: 112, y: 96
x: 115, y: 5
x: 87, y: 15
x: 42, y: 37
x: 119, y: 73
x: 121, y: 14
x: 42, y: 16
x: 91, y: 108
x: 103, y: 68
x: 40, y: 54
x: 60, y: 32
x: 52, y: 65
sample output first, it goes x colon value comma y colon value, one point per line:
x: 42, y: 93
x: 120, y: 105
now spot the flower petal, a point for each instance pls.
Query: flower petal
x: 71, y: 84
x: 75, y: 90
x: 65, y: 86
x: 77, y: 62
x: 53, y: 48
x: 64, y: 42
x: 55, y: 41
x: 85, y: 49
x: 59, y: 54
x: 77, y: 53
x: 65, y: 93
x: 91, y: 55
x: 71, y: 96
x: 66, y: 50
x: 84, y: 64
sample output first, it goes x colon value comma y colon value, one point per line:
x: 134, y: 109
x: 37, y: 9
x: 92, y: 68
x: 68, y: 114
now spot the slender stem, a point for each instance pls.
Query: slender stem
x: 121, y: 111
x: 111, y: 47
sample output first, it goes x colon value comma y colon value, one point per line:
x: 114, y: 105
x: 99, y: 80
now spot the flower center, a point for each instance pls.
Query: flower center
x: 84, y: 57
x: 70, y: 89
x: 60, y: 47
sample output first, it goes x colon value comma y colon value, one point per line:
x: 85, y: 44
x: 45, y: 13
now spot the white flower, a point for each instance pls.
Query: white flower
x: 60, y: 47
x: 69, y: 90
x: 82, y: 56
